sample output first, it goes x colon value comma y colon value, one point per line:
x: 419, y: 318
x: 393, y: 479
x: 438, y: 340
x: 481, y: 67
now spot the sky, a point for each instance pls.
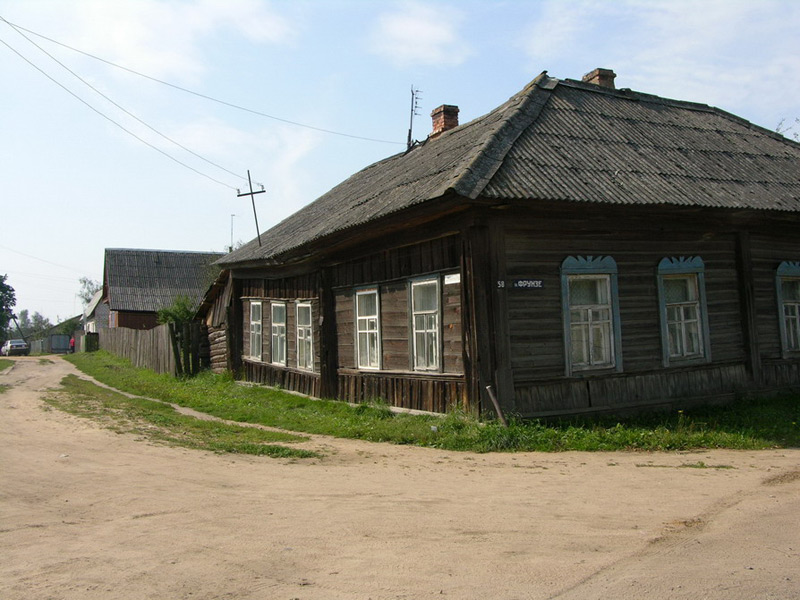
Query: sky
x: 132, y: 123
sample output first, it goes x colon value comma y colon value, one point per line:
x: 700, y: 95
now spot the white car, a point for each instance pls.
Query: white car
x: 15, y: 347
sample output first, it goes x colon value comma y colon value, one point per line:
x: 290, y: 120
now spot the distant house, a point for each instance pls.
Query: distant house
x: 139, y: 283
x: 580, y: 248
x: 95, y: 315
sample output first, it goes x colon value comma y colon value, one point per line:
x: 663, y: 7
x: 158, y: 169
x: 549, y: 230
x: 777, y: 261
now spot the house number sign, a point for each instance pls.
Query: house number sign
x: 524, y: 284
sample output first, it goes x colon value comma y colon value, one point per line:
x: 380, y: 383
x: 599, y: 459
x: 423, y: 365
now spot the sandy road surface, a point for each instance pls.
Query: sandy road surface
x: 86, y: 513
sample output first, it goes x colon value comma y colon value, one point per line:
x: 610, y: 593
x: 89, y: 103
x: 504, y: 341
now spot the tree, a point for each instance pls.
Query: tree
x: 181, y: 311
x: 179, y: 315
x: 32, y: 326
x: 8, y: 299
x: 89, y: 287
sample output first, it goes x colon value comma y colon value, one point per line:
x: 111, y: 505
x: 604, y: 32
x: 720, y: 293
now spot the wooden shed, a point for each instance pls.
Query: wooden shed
x: 579, y: 248
x: 138, y: 283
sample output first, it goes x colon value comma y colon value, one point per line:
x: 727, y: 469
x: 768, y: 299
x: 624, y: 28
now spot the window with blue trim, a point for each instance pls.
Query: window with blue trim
x: 590, y: 306
x: 684, y: 315
x: 787, y: 282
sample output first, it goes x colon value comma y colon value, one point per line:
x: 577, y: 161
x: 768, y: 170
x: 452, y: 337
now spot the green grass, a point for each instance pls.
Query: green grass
x: 750, y: 424
x: 160, y: 422
x: 5, y: 363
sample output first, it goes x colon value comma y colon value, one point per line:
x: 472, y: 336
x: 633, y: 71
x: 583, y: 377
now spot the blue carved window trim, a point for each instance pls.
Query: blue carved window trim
x: 786, y: 270
x: 585, y: 266
x: 675, y: 267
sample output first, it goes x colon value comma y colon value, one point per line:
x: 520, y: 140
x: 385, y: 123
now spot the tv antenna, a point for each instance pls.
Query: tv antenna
x: 252, y: 195
x: 415, y: 96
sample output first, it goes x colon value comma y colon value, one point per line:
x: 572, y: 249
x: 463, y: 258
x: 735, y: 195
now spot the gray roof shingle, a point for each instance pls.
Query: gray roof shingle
x: 569, y: 141
x: 149, y: 280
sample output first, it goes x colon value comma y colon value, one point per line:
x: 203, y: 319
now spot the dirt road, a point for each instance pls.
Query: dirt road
x: 87, y: 514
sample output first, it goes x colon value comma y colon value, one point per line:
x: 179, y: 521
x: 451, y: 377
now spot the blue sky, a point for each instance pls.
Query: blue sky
x: 73, y: 182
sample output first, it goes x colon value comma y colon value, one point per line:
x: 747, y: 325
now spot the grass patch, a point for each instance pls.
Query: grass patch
x: 5, y: 363
x: 161, y: 423
x: 750, y: 424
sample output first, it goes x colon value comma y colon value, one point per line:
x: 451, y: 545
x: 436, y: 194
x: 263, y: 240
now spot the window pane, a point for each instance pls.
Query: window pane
x: 790, y: 289
x: 692, y: 338
x: 367, y: 304
x: 675, y: 339
x: 255, y: 311
x: 680, y: 289
x: 279, y: 313
x: 580, y: 344
x: 588, y: 291
x: 425, y: 296
x: 304, y: 315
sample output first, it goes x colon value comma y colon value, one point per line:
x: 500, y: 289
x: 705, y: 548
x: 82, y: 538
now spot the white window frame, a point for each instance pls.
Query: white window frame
x: 602, y: 268
x: 305, y: 338
x: 278, y: 345
x: 788, y: 310
x: 368, y: 331
x: 692, y: 269
x: 430, y: 332
x: 255, y: 330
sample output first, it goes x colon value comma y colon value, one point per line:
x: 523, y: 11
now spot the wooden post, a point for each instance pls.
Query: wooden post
x: 175, y: 349
x: 329, y: 348
x: 744, y: 266
x: 480, y: 361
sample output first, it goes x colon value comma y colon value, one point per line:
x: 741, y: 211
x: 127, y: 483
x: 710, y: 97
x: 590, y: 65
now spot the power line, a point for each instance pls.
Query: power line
x: 123, y: 109
x: 41, y: 259
x: 122, y: 127
x: 127, y: 112
x: 204, y: 96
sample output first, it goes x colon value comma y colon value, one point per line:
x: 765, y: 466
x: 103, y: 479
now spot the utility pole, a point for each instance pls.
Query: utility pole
x: 252, y: 194
x: 230, y: 248
x: 415, y: 94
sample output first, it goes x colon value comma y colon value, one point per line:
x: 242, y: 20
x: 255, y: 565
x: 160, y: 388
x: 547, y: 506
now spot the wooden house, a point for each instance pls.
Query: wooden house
x: 580, y: 248
x: 139, y: 283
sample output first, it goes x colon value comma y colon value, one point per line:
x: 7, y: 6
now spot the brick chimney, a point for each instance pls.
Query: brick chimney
x: 444, y: 118
x: 602, y: 77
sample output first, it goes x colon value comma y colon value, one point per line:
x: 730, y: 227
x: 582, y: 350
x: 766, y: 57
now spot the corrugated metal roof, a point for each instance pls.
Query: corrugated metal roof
x: 569, y: 141
x: 149, y: 280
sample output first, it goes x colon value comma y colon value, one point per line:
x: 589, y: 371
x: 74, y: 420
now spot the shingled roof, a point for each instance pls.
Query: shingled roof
x: 564, y: 140
x: 149, y: 280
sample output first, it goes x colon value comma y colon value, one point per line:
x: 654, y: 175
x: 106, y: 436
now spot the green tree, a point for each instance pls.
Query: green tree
x: 89, y: 287
x: 182, y: 310
x: 178, y: 316
x: 8, y: 299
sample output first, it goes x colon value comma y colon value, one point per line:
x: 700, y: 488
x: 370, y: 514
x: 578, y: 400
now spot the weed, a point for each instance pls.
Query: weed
x: 159, y: 422
x: 750, y: 424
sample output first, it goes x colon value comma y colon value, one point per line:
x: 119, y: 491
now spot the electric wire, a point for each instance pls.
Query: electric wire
x: 204, y: 96
x: 40, y: 259
x: 123, y: 109
x: 122, y: 127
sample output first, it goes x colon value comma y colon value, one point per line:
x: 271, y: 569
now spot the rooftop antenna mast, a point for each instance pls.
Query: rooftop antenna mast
x: 415, y: 96
x: 252, y: 195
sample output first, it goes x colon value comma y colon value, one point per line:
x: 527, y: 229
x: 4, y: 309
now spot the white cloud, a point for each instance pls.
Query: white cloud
x: 727, y: 53
x: 416, y: 34
x: 162, y: 39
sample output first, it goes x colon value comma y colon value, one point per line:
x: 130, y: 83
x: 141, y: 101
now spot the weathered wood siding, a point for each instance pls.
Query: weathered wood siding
x: 768, y: 252
x: 290, y: 291
x: 295, y: 380
x: 535, y: 317
x: 435, y: 393
x: 391, y: 272
x: 218, y: 348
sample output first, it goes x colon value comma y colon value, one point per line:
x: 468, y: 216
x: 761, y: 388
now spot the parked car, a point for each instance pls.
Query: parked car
x: 15, y: 347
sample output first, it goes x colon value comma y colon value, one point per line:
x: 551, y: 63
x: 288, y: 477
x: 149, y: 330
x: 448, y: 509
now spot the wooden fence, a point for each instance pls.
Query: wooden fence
x: 160, y: 349
x: 148, y: 348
